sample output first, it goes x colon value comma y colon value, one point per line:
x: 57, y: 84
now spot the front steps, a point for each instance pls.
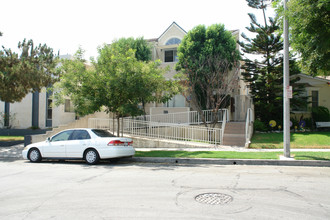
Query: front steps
x: 234, y: 134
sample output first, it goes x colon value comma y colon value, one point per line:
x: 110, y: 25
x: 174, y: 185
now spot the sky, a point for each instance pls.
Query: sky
x: 64, y: 25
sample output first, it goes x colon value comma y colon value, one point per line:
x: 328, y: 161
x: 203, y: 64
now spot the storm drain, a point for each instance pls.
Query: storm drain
x: 214, y: 198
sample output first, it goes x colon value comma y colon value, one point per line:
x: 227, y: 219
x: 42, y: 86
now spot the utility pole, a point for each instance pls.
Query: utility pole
x: 286, y: 84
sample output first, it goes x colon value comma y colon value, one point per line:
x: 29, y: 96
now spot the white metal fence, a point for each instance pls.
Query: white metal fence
x: 186, y: 118
x: 248, y: 125
x: 160, y: 130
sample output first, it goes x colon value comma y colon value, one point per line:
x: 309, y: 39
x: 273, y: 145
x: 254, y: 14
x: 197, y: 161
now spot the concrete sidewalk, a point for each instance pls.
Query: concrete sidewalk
x: 12, y: 152
x: 15, y: 152
x: 229, y: 148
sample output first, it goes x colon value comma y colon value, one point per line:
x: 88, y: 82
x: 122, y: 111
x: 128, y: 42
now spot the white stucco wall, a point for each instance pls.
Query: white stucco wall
x: 42, y: 109
x: 22, y: 112
x: 60, y: 117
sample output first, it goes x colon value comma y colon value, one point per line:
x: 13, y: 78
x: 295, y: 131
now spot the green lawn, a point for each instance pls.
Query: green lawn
x: 233, y: 154
x: 311, y: 155
x: 11, y: 138
x: 297, y: 140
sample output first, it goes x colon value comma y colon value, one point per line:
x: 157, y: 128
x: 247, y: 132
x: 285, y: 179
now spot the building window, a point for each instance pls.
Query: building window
x: 173, y: 41
x: 171, y: 56
x: 49, y: 109
x: 315, y: 99
x: 68, y: 107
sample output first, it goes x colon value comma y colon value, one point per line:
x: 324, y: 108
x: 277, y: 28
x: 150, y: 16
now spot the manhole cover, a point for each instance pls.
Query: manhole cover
x: 214, y: 198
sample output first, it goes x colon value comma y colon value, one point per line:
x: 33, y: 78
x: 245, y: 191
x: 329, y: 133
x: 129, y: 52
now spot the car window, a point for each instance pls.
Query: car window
x: 102, y: 133
x: 80, y: 135
x: 63, y: 136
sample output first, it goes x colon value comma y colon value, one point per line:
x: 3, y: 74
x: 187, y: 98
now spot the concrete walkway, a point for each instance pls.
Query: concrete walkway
x: 15, y: 152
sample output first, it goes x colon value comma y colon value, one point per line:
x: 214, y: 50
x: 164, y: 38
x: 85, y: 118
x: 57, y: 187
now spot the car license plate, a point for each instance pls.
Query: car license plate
x: 126, y: 144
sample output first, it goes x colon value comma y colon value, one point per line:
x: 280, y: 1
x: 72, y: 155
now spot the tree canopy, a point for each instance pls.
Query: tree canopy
x: 127, y: 82
x: 117, y: 80
x: 206, y: 57
x: 20, y: 74
x: 140, y: 46
x: 77, y: 82
x: 309, y: 23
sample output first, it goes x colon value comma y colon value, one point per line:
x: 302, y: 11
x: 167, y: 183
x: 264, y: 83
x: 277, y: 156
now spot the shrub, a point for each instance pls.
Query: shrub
x: 7, y: 120
x: 259, y: 125
x: 309, y: 123
x: 320, y: 113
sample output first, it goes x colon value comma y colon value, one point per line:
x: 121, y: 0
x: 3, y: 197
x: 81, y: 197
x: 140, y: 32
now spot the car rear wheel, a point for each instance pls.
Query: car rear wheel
x: 92, y: 157
x: 34, y: 155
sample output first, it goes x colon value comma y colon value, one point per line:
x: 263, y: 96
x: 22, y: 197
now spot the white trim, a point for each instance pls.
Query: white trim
x: 311, y: 88
x: 168, y: 47
x: 160, y: 37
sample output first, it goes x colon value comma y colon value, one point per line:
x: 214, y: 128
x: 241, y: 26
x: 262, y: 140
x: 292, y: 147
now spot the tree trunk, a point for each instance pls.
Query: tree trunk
x: 144, y: 115
x: 197, y: 107
x: 118, y: 126
x: 122, y: 126
x: 113, y: 123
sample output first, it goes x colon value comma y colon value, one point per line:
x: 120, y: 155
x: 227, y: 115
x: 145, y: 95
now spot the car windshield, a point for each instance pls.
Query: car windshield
x: 102, y: 133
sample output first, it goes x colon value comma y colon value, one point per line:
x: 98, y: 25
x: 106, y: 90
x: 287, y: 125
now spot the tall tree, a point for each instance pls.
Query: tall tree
x: 309, y: 22
x: 20, y: 74
x: 207, y: 56
x: 265, y: 74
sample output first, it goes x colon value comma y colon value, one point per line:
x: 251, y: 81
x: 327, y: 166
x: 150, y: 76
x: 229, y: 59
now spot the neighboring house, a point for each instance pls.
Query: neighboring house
x: 165, y: 48
x: 317, y: 89
x: 36, y: 110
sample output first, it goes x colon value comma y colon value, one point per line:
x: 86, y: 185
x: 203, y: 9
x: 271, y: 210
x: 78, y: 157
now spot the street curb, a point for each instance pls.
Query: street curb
x: 211, y: 161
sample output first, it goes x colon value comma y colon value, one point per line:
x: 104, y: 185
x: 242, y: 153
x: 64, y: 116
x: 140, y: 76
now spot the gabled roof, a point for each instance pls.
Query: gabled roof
x: 314, y: 77
x: 173, y: 24
x: 234, y: 32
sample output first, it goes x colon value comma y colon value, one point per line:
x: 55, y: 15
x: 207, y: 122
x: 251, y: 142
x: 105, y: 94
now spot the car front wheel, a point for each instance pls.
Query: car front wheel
x: 92, y: 157
x: 34, y: 155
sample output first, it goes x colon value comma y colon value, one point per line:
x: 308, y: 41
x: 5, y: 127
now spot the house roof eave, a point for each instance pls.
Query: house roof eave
x: 174, y: 23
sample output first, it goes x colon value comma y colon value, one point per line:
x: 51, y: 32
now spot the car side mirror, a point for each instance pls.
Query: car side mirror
x: 48, y: 139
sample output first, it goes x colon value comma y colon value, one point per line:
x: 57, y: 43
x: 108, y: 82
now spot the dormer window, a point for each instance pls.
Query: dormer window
x: 173, y: 41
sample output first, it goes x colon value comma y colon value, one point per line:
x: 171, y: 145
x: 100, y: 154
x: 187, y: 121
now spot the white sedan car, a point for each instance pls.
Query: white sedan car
x: 88, y: 144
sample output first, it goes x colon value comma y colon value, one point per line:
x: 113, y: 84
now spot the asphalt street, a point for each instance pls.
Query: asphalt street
x: 126, y: 190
